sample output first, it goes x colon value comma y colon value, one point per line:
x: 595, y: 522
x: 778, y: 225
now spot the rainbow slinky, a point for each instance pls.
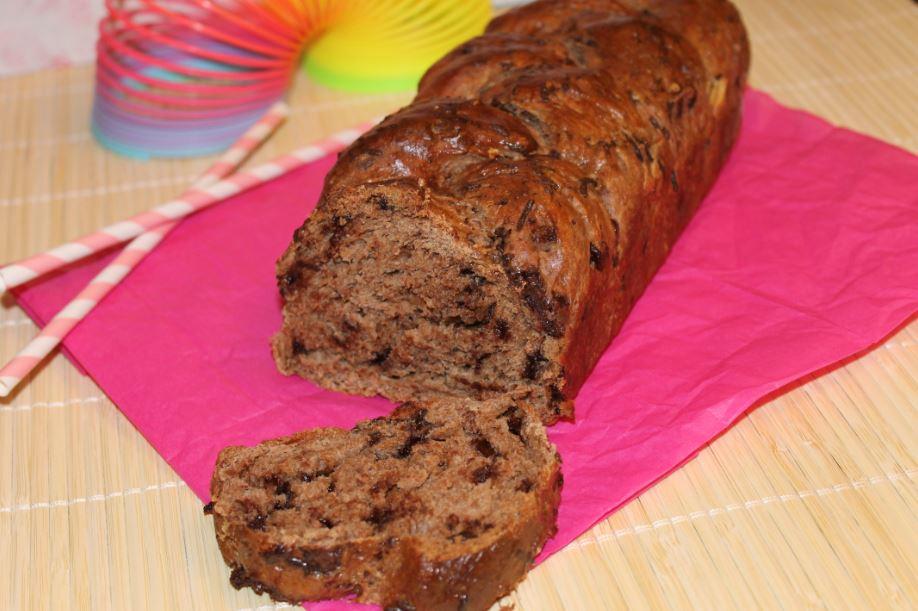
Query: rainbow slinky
x: 179, y: 78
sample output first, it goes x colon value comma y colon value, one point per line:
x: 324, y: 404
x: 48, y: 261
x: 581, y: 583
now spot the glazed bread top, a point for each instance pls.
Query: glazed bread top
x: 561, y: 153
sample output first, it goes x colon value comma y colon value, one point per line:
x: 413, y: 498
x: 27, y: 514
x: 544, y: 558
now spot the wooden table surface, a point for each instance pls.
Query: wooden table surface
x: 810, y: 500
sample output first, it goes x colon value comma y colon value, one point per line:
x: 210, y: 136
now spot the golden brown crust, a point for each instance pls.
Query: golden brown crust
x: 667, y: 108
x: 569, y: 146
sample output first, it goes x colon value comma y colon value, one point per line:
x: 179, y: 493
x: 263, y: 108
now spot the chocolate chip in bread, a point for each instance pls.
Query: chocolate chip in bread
x: 491, y: 237
x: 438, y: 506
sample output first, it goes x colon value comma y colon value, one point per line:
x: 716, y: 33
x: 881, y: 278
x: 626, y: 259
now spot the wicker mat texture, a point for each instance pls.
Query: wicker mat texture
x: 809, y: 501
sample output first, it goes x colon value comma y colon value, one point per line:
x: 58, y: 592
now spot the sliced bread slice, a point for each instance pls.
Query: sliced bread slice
x: 438, y: 506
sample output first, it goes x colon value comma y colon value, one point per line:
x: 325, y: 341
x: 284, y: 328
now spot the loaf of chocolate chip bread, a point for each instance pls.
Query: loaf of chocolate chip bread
x: 437, y: 507
x: 491, y: 237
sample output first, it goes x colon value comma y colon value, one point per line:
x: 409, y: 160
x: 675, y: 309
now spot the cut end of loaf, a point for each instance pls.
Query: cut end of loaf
x: 397, y: 510
x: 381, y: 297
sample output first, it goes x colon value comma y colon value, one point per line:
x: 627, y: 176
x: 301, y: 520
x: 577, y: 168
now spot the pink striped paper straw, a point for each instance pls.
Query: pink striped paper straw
x: 193, y: 200
x: 244, y: 146
x: 65, y: 320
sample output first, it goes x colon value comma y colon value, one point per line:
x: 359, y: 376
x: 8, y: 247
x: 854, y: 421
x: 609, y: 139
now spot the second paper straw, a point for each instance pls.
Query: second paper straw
x: 32, y: 267
x: 71, y: 314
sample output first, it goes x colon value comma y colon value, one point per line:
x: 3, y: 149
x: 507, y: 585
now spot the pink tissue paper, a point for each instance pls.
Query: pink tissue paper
x: 804, y: 253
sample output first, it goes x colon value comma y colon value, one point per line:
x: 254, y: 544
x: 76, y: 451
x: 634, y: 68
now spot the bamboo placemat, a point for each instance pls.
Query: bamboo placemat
x: 808, y: 501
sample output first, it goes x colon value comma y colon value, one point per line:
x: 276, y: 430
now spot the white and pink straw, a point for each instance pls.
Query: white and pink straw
x: 147, y: 230
x: 193, y: 200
